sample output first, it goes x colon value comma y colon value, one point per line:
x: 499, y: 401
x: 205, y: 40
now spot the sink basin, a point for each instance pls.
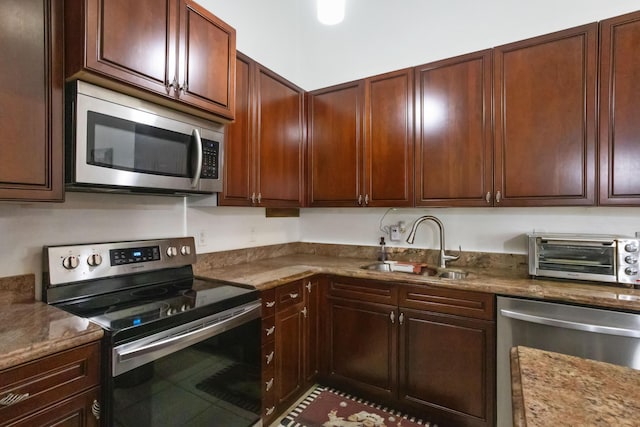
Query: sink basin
x: 453, y: 274
x: 377, y: 266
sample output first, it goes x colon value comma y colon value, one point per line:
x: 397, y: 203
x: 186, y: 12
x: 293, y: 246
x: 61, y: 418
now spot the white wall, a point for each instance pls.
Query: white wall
x: 475, y: 229
x: 384, y: 35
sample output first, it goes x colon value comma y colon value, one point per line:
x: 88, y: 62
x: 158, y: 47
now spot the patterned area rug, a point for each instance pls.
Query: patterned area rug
x: 327, y: 407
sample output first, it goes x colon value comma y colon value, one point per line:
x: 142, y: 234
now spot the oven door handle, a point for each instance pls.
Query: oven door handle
x: 568, y: 324
x: 191, y: 337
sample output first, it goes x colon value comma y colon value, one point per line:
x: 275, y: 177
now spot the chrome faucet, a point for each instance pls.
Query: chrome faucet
x: 443, y: 257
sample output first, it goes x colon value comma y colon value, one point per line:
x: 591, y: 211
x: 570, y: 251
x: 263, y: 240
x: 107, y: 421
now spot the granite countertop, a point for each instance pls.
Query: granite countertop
x: 552, y: 389
x: 31, y: 329
x: 268, y: 273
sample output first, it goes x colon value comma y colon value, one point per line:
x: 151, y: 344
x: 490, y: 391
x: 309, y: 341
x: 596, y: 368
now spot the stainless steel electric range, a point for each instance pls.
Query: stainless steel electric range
x: 177, y: 350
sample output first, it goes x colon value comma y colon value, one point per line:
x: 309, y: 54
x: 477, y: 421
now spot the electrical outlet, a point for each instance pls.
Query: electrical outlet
x: 202, y: 238
x: 396, y: 236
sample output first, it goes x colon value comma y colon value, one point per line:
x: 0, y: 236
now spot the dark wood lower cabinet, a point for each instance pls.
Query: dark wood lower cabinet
x: 428, y: 351
x: 447, y: 366
x: 289, y: 331
x: 72, y: 412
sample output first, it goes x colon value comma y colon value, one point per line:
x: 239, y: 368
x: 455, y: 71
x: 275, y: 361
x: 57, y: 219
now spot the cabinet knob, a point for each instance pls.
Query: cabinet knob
x: 270, y: 330
x: 488, y: 197
x: 269, y: 357
x: 270, y: 410
x: 184, y: 87
x: 270, y: 304
x: 366, y: 200
x: 498, y: 196
x: 253, y: 198
x: 401, y: 318
x: 268, y: 384
x: 304, y: 311
x: 259, y: 198
x: 294, y: 295
x: 392, y: 316
x: 360, y: 200
x: 309, y: 287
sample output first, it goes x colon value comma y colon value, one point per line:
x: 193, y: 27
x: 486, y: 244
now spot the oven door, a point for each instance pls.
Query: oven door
x: 204, y: 373
x: 121, y: 142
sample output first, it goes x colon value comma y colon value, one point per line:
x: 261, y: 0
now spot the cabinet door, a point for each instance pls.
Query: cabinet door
x: 31, y: 102
x: 447, y: 365
x: 238, y: 160
x: 388, y: 148
x: 207, y: 47
x: 335, y: 145
x: 545, y: 98
x: 279, y: 140
x: 454, y: 142
x: 312, y: 329
x: 362, y: 347
x: 289, y: 353
x: 131, y: 41
x: 620, y: 110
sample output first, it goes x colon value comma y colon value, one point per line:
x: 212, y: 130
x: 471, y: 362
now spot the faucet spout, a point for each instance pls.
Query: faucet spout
x: 412, y: 236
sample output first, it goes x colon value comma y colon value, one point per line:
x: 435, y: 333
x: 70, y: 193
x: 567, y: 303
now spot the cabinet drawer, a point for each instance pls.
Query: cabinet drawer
x: 476, y: 305
x: 268, y: 329
x: 268, y: 302
x: 45, y: 381
x: 74, y: 411
x: 364, y: 290
x: 289, y: 294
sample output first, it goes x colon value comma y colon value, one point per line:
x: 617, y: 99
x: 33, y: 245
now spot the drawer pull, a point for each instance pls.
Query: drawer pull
x: 309, y: 287
x: 304, y: 311
x: 270, y: 304
x: 401, y: 318
x: 95, y: 409
x: 12, y: 399
x: 270, y: 357
x: 269, y: 384
x: 294, y: 295
x: 270, y: 330
x: 270, y: 410
x: 392, y: 316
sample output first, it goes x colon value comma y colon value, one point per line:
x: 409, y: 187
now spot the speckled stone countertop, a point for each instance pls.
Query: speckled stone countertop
x: 30, y: 329
x: 268, y: 273
x: 552, y: 389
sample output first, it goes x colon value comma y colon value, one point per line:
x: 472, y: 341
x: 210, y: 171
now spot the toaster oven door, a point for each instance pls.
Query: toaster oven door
x: 582, y: 260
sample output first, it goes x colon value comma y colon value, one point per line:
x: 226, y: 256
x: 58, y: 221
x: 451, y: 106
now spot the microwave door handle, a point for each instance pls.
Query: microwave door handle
x: 195, y: 180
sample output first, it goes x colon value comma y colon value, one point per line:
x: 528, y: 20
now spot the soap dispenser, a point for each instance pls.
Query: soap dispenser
x: 382, y: 255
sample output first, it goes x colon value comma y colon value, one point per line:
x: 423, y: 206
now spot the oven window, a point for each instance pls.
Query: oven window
x: 577, y: 258
x: 215, y: 382
x: 125, y: 145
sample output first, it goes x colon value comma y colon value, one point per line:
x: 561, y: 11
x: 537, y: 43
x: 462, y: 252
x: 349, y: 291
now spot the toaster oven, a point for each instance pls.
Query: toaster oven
x: 589, y: 257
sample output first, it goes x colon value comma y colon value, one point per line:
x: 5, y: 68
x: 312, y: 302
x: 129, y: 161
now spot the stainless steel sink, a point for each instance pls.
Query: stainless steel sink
x: 453, y: 274
x: 377, y: 266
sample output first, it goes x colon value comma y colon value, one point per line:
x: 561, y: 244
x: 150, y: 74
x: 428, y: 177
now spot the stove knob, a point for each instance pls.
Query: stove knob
x: 185, y: 250
x: 184, y: 307
x: 170, y: 311
x: 630, y: 260
x: 631, y: 247
x: 172, y: 251
x: 70, y: 262
x: 94, y: 260
x: 630, y: 271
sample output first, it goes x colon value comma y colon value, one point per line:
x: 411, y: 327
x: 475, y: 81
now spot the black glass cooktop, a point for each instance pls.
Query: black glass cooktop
x: 169, y: 303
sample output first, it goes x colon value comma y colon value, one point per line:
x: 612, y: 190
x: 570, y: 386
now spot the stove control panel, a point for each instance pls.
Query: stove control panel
x: 74, y: 263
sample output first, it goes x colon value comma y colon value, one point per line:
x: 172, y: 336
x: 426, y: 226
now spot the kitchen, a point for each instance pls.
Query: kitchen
x: 97, y: 217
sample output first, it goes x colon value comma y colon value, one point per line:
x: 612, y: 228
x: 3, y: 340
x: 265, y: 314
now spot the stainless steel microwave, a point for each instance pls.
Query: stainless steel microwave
x: 116, y: 142
x: 590, y: 257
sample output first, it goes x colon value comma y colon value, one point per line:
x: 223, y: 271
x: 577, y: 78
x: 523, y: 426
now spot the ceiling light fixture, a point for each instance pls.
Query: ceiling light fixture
x: 331, y: 12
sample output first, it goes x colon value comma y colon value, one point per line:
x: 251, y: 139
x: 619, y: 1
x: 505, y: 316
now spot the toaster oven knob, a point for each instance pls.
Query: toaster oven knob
x: 172, y: 251
x: 630, y: 271
x: 94, y: 260
x: 185, y: 250
x: 70, y: 262
x: 631, y: 247
x: 630, y: 260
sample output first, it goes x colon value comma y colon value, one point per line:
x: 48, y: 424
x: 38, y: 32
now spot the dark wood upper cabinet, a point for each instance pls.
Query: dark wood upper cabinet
x: 388, y: 139
x: 454, y: 134
x: 361, y: 142
x: 335, y: 145
x: 620, y: 110
x: 545, y: 103
x: 264, y: 146
x: 173, y: 49
x: 31, y: 101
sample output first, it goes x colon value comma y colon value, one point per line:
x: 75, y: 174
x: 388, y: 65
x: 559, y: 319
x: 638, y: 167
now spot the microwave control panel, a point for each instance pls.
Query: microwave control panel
x: 210, y: 154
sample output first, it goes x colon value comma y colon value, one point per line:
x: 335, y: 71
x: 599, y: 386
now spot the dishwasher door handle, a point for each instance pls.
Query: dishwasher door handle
x: 568, y: 324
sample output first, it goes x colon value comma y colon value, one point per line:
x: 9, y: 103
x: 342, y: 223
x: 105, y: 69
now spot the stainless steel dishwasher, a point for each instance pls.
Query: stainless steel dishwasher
x: 592, y: 333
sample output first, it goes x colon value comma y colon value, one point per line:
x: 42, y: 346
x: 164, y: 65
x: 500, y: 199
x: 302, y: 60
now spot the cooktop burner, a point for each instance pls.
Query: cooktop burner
x: 132, y: 308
